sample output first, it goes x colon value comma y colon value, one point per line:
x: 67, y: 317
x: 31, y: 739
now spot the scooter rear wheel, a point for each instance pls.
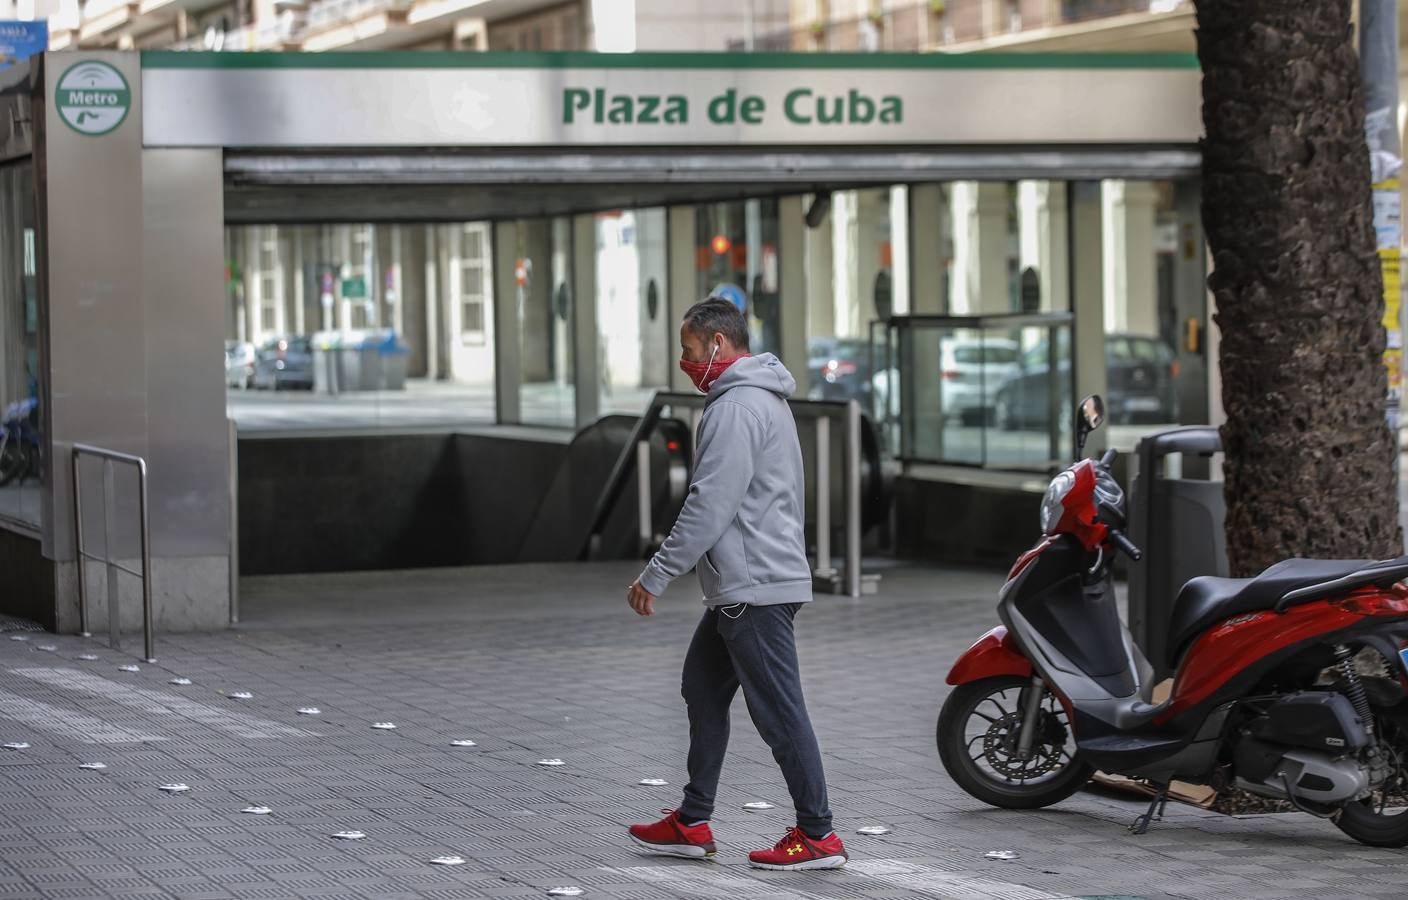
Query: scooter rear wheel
x: 977, y: 736
x: 1381, y: 820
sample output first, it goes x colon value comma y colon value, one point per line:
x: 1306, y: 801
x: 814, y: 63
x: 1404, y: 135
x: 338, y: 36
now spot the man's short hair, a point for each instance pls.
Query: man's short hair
x: 718, y: 316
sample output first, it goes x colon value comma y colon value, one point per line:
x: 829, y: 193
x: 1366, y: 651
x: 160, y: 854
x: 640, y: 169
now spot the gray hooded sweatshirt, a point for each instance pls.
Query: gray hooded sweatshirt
x: 742, y: 524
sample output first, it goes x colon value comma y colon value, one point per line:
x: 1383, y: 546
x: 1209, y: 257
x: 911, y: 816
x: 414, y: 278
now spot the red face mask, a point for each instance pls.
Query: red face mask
x: 706, y: 373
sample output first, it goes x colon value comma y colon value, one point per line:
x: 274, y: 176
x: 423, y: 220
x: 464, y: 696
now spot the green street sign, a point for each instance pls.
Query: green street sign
x: 92, y: 98
x: 354, y: 288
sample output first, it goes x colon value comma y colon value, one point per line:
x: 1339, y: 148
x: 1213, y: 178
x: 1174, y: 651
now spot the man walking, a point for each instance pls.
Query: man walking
x: 742, y: 528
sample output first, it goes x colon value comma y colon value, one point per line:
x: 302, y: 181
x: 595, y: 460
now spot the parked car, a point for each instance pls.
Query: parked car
x: 284, y: 362
x: 839, y: 368
x: 1139, y: 372
x: 239, y: 364
x: 970, y: 371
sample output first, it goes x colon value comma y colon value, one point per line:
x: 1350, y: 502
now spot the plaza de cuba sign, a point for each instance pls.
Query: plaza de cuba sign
x: 429, y: 100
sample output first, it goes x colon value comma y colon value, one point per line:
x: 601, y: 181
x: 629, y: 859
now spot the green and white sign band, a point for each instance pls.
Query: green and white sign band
x: 269, y: 101
x: 92, y: 98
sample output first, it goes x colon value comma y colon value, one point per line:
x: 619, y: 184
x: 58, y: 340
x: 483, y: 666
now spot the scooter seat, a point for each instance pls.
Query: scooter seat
x: 1205, y: 601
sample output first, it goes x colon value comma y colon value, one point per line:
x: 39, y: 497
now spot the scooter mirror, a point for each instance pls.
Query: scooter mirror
x: 1090, y: 415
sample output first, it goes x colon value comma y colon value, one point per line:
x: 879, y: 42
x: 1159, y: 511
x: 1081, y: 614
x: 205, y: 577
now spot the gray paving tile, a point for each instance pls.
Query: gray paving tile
x: 546, y: 661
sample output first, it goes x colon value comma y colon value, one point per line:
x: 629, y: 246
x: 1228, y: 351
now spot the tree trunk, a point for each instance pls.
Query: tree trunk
x: 1287, y: 209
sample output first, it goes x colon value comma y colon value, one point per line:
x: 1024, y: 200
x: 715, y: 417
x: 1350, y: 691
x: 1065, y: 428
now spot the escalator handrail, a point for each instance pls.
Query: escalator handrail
x: 616, y: 482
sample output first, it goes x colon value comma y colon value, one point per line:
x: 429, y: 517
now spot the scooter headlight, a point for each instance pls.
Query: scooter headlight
x: 1051, y: 508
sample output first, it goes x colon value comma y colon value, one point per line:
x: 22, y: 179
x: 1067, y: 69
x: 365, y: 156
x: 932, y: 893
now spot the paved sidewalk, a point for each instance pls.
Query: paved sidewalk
x: 548, y: 662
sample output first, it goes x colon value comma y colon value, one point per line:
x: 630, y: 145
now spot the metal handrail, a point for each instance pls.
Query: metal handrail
x: 109, y: 502
x: 822, y: 410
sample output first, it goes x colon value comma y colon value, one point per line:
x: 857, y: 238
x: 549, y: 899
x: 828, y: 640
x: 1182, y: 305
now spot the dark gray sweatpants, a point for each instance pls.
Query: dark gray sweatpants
x: 752, y: 647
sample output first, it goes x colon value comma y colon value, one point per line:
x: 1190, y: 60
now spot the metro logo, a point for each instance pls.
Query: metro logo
x: 92, y: 98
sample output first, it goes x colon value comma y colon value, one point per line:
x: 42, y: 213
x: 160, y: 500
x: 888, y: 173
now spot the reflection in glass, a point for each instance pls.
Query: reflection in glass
x: 544, y: 285
x: 987, y: 395
x: 737, y: 258
x: 358, y: 325
x: 635, y: 338
x: 21, y: 444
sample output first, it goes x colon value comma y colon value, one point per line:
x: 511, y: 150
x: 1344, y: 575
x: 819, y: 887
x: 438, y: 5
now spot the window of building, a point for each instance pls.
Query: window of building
x: 270, y: 282
x: 556, y: 28
x: 473, y: 282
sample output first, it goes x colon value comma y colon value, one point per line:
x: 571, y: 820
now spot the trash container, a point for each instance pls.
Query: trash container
x: 325, y: 344
x: 352, y: 362
x: 391, y: 361
x: 1178, y: 522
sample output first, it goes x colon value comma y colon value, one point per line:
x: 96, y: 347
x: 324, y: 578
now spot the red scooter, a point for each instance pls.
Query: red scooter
x: 1292, y: 685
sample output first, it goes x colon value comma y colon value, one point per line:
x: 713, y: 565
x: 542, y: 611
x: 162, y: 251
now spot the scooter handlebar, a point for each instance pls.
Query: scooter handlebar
x: 1108, y: 458
x: 1125, y: 545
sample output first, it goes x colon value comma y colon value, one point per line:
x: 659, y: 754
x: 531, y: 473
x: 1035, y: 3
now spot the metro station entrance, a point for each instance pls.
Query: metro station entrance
x: 389, y: 244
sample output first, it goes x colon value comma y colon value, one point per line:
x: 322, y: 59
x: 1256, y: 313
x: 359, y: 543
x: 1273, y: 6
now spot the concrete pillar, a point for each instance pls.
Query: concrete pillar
x: 980, y: 211
x: 586, y: 358
x: 899, y: 248
x: 929, y: 230
x: 533, y: 248
x: 414, y: 266
x: 508, y: 350
x: 297, y: 278
x: 819, y: 245
x: 867, y: 237
x: 142, y: 271
x: 657, y: 335
x: 1089, y: 306
x: 843, y: 283
x: 683, y: 286
x: 792, y: 288
x: 436, y: 242
x: 342, y: 241
x: 1131, y: 289
x: 1044, y: 240
x: 253, y: 316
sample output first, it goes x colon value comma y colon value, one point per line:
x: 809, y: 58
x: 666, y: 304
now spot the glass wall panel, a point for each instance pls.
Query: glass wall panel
x: 999, y: 401
x: 737, y: 258
x: 359, y: 325
x: 22, y: 467
x: 635, y: 337
x: 1128, y: 255
x: 546, y: 308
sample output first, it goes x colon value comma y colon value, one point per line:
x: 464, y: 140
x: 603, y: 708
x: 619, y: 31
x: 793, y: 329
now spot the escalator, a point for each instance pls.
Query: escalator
x: 589, y: 510
x: 566, y: 520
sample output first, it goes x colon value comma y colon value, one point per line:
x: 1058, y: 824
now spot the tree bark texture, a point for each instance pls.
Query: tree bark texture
x: 1288, y: 213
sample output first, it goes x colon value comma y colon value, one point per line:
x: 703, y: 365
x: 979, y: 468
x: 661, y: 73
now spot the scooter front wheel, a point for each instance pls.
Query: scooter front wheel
x: 978, y: 736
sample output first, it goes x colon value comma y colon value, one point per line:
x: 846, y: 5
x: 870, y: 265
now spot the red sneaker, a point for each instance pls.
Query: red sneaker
x: 797, y: 851
x: 671, y: 837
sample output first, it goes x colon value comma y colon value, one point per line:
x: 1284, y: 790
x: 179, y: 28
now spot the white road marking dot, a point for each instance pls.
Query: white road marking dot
x: 463, y: 744
x: 257, y: 810
x: 447, y: 861
x: 757, y: 805
x: 348, y: 835
x: 175, y: 788
x: 551, y: 763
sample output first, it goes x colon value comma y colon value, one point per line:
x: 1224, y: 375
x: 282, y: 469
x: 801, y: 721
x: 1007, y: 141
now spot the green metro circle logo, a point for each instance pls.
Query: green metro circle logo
x: 92, y: 98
